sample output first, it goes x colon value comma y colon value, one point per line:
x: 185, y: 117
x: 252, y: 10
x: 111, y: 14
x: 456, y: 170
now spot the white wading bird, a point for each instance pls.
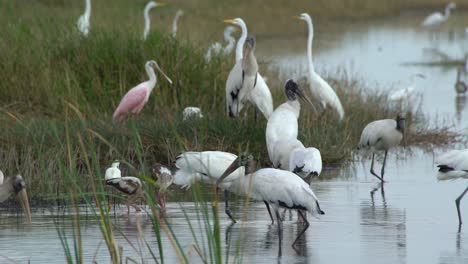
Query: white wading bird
x: 148, y: 7
x: 276, y: 187
x: 381, y: 135
x: 135, y: 99
x: 260, y: 96
x: 192, y: 112
x: 178, y: 14
x: 437, y: 18
x: 163, y: 175
x: 129, y: 185
x: 319, y: 88
x: 454, y: 165
x: 83, y: 21
x: 282, y: 124
x: 291, y: 155
x: 15, y: 185
x: 217, y: 48
x: 405, y: 93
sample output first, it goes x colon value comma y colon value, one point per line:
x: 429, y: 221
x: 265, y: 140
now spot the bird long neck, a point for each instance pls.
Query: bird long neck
x: 152, y: 76
x: 447, y: 12
x: 88, y: 9
x: 296, y: 107
x: 250, y: 65
x: 147, y: 21
x: 174, y: 24
x: 240, y: 43
x: 309, y: 46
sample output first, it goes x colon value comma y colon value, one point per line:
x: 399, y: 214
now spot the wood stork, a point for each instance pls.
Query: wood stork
x: 279, y: 188
x: 437, y: 18
x: 206, y: 167
x: 381, y: 135
x: 83, y: 21
x: 15, y: 186
x: 129, y: 185
x: 319, y: 88
x: 148, y: 7
x: 454, y: 165
x: 460, y: 85
x: 282, y: 124
x: 192, y: 112
x: 134, y: 100
x: 163, y: 175
x: 217, y: 48
x: 178, y: 14
x: 260, y: 96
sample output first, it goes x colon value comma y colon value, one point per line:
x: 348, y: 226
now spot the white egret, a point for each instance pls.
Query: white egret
x: 178, y: 14
x: 15, y: 186
x: 381, y: 135
x: 83, y: 21
x: 319, y: 88
x: 217, y: 48
x: 148, y: 7
x: 192, y: 112
x: 276, y: 187
x: 405, y: 93
x: 282, y: 124
x: 260, y: 96
x: 460, y: 85
x: 454, y: 165
x: 437, y: 18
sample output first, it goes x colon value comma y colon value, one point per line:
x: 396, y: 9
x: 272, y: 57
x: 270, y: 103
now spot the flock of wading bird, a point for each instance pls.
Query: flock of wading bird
x: 282, y: 186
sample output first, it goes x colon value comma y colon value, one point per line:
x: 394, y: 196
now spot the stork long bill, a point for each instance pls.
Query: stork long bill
x: 234, y: 166
x: 23, y: 199
x: 305, y: 98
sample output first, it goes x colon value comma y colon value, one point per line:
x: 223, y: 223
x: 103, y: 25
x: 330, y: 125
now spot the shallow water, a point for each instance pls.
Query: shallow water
x: 413, y: 220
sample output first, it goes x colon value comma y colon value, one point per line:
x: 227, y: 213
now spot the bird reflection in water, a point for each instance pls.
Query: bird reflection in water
x: 460, y: 104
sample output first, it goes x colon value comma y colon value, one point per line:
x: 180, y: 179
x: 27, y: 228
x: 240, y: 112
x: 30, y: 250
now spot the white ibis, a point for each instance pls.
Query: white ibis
x: 192, y: 112
x: 319, y: 88
x: 273, y: 186
x: 15, y: 186
x: 437, y: 18
x: 128, y: 185
x: 83, y: 21
x: 260, y: 96
x: 382, y: 135
x: 454, y: 165
x: 163, y: 175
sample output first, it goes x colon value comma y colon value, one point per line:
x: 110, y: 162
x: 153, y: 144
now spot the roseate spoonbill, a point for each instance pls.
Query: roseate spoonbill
x: 279, y: 188
x: 15, y: 186
x: 454, y: 165
x: 192, y: 113
x: 319, y: 88
x: 437, y: 18
x: 260, y: 96
x: 136, y: 98
x: 148, y: 7
x: 83, y: 21
x: 217, y: 47
x: 178, y: 14
x: 382, y: 135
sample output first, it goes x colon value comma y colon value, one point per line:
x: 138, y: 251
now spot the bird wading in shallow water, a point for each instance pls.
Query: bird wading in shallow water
x: 134, y: 100
x: 163, y: 175
x: 437, y: 18
x: 15, y: 186
x: 382, y: 135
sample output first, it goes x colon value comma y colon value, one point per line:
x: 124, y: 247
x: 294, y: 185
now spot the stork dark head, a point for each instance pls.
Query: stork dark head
x: 292, y: 90
x: 244, y: 159
x: 19, y: 187
x: 250, y: 43
x: 400, y: 120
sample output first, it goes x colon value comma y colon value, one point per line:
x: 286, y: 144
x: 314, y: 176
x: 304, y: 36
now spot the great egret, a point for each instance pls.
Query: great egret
x: 148, y: 7
x: 192, y: 112
x: 276, y: 187
x: 460, y: 85
x: 381, y: 135
x: 405, y: 93
x: 136, y: 98
x: 319, y: 88
x: 282, y: 124
x: 260, y: 96
x: 454, y: 165
x: 217, y: 48
x: 178, y: 14
x: 15, y: 186
x: 83, y: 21
x: 437, y: 18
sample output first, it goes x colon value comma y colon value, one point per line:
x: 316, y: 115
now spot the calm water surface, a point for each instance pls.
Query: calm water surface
x: 412, y: 221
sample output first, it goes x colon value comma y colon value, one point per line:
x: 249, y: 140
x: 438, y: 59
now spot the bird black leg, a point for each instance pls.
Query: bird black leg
x: 226, y: 201
x: 280, y: 230
x: 457, y: 203
x: 269, y: 212
x: 372, y: 169
x: 383, y: 166
x: 303, y: 230
x: 255, y: 114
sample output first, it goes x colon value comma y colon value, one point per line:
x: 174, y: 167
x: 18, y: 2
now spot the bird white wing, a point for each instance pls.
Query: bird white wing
x: 453, y: 164
x: 83, y: 25
x: 306, y: 161
x: 282, y: 125
x: 112, y: 173
x: 191, y: 111
x: 129, y: 185
x: 214, y: 49
x: 322, y: 92
x: 261, y: 97
x: 374, y: 131
x: 207, y: 166
x: 433, y: 20
x: 234, y: 103
x: 401, y: 94
x: 281, y: 153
